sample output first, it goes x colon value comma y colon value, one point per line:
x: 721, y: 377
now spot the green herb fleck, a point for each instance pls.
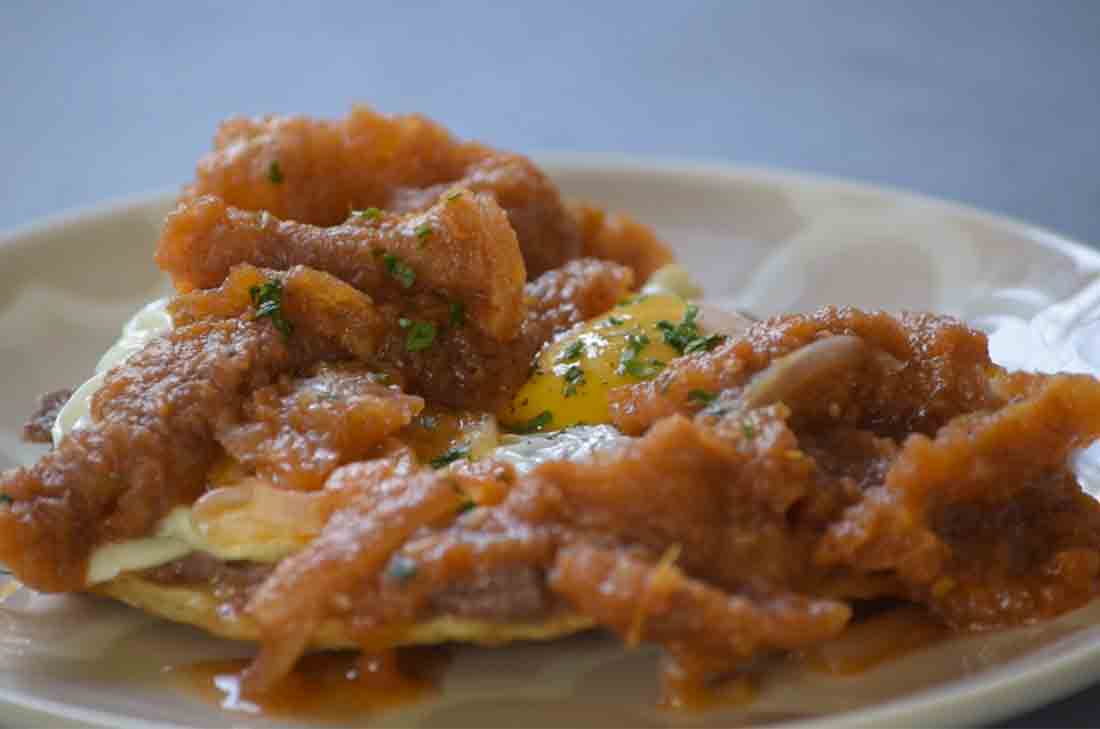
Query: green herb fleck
x: 382, y: 378
x: 465, y: 503
x: 574, y: 378
x: 571, y: 353
x: 450, y: 456
x: 275, y: 172
x: 5, y: 500
x: 748, y: 430
x: 268, y: 300
x: 701, y: 397
x: 399, y: 270
x: 635, y: 343
x: 644, y: 370
x: 630, y: 362
x: 684, y: 336
x: 616, y: 321
x: 423, y: 232
x: 421, y: 334
x: 679, y: 335
x: 454, y: 195
x: 704, y: 344
x: 401, y: 568
x: 369, y: 213
x: 458, y: 313
x: 536, y: 423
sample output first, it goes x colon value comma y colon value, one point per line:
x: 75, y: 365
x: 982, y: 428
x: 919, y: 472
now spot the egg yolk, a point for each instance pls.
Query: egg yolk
x: 574, y: 375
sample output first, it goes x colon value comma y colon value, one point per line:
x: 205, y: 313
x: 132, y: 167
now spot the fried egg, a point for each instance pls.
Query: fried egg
x: 245, y: 518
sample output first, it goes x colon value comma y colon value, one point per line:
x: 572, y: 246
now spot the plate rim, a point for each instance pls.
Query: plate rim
x: 1078, y: 251
x: 1005, y: 690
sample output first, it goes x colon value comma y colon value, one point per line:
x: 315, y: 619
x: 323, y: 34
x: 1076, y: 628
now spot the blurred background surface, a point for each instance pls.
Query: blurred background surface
x: 993, y: 103
x: 989, y: 102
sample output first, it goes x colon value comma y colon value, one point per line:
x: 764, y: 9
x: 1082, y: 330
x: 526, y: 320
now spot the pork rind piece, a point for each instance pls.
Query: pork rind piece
x: 620, y: 238
x: 298, y: 430
x: 985, y: 522
x: 660, y: 604
x: 316, y: 171
x: 467, y: 369
x: 721, y: 503
x: 917, y: 372
x: 158, y: 416
x: 388, y: 499
x: 461, y: 250
x: 148, y: 449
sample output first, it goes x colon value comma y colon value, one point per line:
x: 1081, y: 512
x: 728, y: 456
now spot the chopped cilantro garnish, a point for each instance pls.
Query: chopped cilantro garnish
x: 268, y: 300
x: 748, y: 430
x: 704, y: 344
x: 458, y: 313
x: 423, y: 232
x: 679, y: 335
x: 635, y: 343
x: 401, y: 568
x: 454, y: 195
x: 571, y: 353
x: 5, y: 500
x: 275, y: 172
x: 643, y: 370
x: 369, y: 213
x: 421, y: 334
x: 701, y: 397
x: 399, y: 270
x: 450, y: 456
x: 616, y: 321
x: 574, y: 377
x: 465, y: 503
x: 630, y: 363
x: 536, y: 423
x: 684, y: 336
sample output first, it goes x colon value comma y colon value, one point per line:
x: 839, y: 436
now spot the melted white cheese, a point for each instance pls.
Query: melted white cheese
x: 176, y: 535
x: 152, y: 320
x: 172, y: 541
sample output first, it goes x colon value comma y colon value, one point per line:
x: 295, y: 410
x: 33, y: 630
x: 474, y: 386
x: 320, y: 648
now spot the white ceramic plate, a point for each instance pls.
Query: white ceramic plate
x: 768, y: 242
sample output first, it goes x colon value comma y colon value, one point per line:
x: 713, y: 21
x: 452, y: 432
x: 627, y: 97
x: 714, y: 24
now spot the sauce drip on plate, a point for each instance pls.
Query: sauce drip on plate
x: 323, y: 686
x: 686, y: 691
x: 884, y: 635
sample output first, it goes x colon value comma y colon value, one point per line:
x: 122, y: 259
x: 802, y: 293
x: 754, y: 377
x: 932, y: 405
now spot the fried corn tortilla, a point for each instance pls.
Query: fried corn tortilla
x: 198, y: 606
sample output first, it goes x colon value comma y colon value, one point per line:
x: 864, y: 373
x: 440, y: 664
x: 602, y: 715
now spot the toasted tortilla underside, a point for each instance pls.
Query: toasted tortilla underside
x: 197, y: 606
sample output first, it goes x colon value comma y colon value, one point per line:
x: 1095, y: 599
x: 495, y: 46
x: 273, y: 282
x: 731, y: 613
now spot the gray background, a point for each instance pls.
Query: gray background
x: 991, y: 103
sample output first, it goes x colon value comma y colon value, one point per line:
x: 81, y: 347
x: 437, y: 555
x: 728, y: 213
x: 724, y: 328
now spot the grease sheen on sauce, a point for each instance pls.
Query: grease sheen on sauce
x: 323, y: 686
x: 344, y: 685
